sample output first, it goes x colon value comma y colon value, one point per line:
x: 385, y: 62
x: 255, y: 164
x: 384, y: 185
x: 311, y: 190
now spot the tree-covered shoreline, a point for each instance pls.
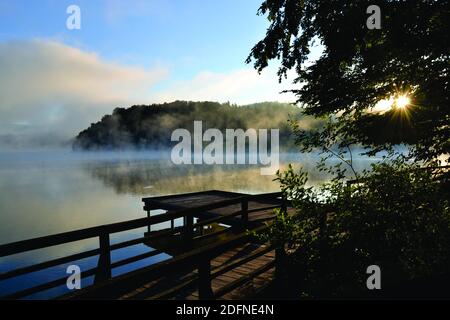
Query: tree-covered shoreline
x: 151, y: 126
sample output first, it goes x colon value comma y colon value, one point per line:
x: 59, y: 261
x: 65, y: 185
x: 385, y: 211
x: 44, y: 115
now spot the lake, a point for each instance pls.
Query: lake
x: 51, y: 191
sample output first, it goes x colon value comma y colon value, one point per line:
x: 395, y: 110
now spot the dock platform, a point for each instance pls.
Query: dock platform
x: 213, y: 253
x: 191, y: 200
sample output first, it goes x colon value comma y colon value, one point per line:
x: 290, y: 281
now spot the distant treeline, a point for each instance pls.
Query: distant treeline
x: 151, y: 126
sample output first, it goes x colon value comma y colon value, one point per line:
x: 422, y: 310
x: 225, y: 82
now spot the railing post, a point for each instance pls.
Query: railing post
x: 149, y: 226
x: 189, y: 226
x: 244, y: 209
x: 201, y: 227
x: 104, y: 260
x: 204, y: 281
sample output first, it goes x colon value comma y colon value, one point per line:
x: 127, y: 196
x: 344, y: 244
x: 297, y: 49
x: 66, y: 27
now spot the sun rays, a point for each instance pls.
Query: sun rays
x: 399, y: 105
x: 402, y: 102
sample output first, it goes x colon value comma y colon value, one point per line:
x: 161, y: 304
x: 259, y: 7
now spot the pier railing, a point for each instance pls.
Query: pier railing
x: 102, y: 272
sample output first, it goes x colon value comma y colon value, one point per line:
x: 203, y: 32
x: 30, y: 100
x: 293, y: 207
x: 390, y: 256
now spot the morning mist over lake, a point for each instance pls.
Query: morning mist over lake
x: 247, y: 151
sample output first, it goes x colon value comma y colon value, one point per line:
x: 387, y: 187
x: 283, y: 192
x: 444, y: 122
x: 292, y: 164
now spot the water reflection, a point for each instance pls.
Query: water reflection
x: 161, y: 177
x: 49, y: 192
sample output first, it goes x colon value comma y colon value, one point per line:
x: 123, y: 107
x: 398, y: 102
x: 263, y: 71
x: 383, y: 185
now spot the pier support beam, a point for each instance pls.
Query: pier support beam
x: 149, y: 227
x: 189, y: 227
x: 204, y: 281
x: 104, y: 260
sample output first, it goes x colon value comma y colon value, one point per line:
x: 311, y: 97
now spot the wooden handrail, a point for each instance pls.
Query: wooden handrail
x: 120, y: 245
x: 103, y: 271
x: 72, y: 236
x: 83, y: 255
x: 45, y: 286
x: 48, y: 264
x: 124, y: 283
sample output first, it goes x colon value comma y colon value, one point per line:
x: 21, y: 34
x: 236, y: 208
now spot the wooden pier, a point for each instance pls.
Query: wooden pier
x: 213, y: 254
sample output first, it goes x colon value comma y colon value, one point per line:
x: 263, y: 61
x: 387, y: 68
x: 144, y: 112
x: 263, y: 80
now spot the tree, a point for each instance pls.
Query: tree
x: 396, y: 215
x: 398, y: 219
x: 359, y: 67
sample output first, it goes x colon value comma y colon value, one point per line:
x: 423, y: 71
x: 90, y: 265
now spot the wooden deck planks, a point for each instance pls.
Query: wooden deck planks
x: 150, y: 289
x: 185, y: 201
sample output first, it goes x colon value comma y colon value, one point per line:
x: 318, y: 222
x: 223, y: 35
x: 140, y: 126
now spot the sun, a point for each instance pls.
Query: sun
x: 402, y: 102
x: 398, y: 102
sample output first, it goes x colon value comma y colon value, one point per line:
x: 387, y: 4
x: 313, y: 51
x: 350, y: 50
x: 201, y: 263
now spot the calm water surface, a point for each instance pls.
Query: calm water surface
x: 53, y: 191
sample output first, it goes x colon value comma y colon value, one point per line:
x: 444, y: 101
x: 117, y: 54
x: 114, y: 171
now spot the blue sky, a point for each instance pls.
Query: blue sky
x: 56, y: 81
x: 186, y: 35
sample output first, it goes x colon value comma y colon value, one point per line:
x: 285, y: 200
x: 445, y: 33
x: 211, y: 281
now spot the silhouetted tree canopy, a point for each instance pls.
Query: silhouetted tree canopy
x: 359, y: 67
x: 151, y: 126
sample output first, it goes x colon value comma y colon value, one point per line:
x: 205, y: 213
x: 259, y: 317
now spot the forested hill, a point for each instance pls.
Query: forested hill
x: 151, y: 126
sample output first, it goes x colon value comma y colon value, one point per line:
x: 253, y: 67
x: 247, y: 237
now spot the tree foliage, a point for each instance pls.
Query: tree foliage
x: 151, y: 126
x: 359, y: 67
x: 396, y: 217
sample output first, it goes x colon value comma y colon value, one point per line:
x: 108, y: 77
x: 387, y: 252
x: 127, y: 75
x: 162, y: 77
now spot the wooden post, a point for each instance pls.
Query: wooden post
x: 189, y: 226
x: 201, y: 227
x: 104, y: 260
x: 244, y: 209
x: 204, y: 280
x: 149, y: 227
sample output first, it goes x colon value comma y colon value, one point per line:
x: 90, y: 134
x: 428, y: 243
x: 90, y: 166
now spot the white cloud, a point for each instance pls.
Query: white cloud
x: 50, y: 89
x: 48, y: 86
x: 241, y: 86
